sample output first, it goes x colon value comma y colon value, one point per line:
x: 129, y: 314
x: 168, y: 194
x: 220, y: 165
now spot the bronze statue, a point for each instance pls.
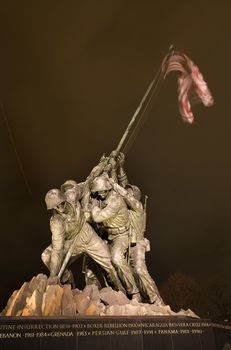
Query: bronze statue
x: 111, y: 210
x: 139, y: 244
x: 71, y: 231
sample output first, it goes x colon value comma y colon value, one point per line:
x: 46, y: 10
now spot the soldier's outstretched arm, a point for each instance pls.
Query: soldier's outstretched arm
x: 114, y: 165
x: 100, y: 215
x: 85, y: 198
x: 122, y: 175
x: 106, y: 165
x: 97, y: 170
x: 58, y: 239
x: 130, y: 200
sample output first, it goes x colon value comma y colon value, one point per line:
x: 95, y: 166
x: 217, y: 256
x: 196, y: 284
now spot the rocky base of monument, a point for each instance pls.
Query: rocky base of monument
x: 44, y: 296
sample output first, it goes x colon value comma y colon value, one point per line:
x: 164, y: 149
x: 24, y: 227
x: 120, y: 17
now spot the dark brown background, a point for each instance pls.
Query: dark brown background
x: 72, y: 75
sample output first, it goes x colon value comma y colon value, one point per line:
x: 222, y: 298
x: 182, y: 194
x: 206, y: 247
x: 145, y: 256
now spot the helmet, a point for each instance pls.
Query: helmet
x: 72, y: 190
x: 100, y: 183
x: 135, y: 191
x: 68, y: 184
x: 72, y: 195
x: 53, y: 198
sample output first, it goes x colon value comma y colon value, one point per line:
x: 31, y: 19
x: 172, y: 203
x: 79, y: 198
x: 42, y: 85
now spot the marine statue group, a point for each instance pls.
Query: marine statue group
x: 103, y: 219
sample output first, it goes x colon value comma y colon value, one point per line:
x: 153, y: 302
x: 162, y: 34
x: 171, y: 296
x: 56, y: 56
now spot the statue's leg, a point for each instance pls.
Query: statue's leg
x: 145, y: 281
x: 119, y: 247
x: 46, y: 256
x: 91, y: 271
x: 67, y: 276
x: 98, y: 250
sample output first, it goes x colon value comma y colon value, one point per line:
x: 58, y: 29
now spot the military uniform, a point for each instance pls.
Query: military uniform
x: 112, y: 212
x: 139, y: 246
x: 71, y: 225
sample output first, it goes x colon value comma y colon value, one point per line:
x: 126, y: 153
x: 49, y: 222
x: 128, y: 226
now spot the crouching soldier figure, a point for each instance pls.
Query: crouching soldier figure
x: 68, y: 225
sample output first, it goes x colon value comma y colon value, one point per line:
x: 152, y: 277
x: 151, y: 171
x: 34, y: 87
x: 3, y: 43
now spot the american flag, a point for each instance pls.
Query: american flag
x: 191, y: 85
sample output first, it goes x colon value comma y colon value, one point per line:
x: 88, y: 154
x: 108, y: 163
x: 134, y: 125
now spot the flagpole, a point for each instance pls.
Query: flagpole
x: 154, y: 83
x: 134, y: 117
